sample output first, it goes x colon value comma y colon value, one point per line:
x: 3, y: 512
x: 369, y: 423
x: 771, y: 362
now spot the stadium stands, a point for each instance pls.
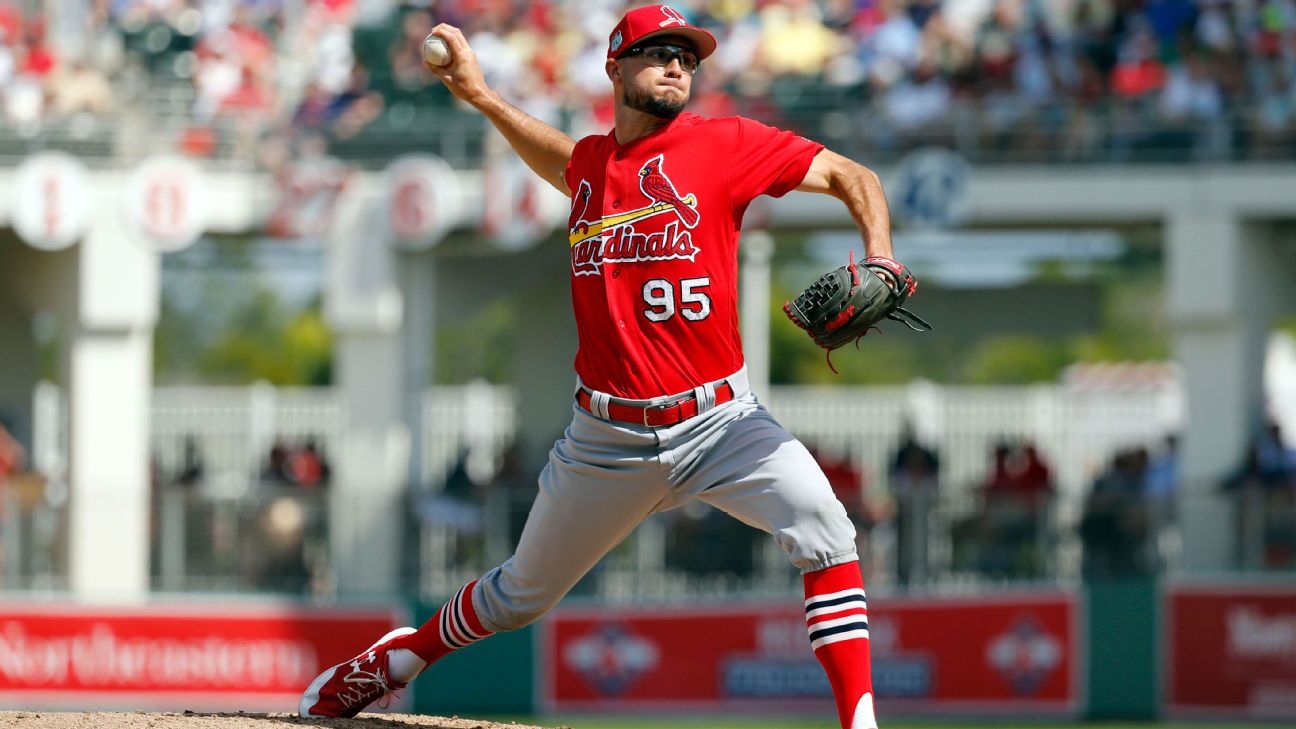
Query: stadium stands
x: 999, y: 80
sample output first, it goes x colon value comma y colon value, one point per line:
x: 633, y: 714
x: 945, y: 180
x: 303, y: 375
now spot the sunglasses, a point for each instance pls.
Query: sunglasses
x: 662, y: 55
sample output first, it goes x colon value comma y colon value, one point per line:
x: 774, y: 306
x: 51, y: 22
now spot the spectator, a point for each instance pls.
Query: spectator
x: 1015, y: 500
x: 307, y: 466
x: 79, y: 88
x: 192, y: 468
x: 893, y: 49
x: 357, y: 106
x: 1264, y: 493
x: 914, y: 474
x: 275, y: 470
x: 1163, y: 472
x: 275, y: 556
x: 1276, y: 461
x: 457, y: 503
x: 1114, y: 527
x: 847, y: 483
x: 406, y: 54
x: 794, y: 40
x: 315, y: 112
x: 457, y: 511
x: 249, y: 101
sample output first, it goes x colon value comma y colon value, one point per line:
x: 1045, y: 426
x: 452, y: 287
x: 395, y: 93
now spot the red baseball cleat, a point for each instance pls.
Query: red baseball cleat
x: 347, y: 688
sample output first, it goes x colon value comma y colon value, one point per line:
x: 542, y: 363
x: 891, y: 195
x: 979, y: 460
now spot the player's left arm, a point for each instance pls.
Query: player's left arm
x: 861, y: 189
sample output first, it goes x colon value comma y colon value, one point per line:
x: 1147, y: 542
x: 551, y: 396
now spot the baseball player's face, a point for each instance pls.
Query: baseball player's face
x: 657, y: 76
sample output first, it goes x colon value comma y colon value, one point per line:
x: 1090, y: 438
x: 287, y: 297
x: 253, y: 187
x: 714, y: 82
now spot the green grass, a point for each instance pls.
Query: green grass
x: 692, y: 722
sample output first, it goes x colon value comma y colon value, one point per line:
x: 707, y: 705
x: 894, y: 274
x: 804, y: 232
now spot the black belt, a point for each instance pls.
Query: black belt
x: 655, y: 416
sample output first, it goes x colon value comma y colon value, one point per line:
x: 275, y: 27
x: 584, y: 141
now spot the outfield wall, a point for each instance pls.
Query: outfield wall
x: 1129, y: 650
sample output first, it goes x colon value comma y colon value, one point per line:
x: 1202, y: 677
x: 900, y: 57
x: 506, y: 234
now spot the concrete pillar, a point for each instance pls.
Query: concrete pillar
x: 418, y: 285
x: 1219, y: 311
x: 757, y: 249
x: 109, y: 380
x: 365, y: 308
x: 367, y: 505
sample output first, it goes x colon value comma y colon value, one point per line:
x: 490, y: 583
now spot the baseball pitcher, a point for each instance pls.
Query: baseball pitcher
x: 663, y: 413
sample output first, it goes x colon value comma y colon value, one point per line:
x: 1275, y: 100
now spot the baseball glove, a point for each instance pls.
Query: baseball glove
x: 848, y: 302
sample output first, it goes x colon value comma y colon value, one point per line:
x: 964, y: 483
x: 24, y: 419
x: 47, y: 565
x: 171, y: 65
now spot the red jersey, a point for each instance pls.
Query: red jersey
x: 654, y: 248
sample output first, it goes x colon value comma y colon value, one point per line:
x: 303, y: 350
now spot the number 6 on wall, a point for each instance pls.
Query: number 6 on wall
x: 694, y: 304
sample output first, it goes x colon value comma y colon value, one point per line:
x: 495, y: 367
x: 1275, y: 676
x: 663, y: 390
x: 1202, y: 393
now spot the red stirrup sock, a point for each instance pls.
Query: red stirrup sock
x: 837, y: 620
x: 455, y: 625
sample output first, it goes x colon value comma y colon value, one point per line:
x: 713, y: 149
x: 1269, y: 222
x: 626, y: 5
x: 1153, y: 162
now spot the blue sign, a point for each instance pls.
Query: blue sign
x: 932, y: 189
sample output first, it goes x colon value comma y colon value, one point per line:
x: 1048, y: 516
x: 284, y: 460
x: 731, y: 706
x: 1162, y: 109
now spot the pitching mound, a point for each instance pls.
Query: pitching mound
x: 191, y: 720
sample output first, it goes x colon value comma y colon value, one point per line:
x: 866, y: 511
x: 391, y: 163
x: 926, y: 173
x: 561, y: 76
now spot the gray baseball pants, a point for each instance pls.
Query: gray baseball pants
x: 604, y: 478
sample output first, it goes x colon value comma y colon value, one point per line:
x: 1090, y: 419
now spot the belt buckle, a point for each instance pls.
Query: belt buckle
x: 650, y: 408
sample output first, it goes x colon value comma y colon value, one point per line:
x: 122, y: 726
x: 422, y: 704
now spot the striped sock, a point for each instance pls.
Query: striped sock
x: 455, y: 625
x: 837, y: 622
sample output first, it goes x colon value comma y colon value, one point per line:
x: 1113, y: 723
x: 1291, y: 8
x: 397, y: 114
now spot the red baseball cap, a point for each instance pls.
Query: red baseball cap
x: 651, y: 20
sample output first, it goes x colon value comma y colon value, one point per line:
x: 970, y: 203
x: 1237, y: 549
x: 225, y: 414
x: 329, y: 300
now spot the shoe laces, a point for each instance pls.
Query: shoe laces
x: 360, y: 685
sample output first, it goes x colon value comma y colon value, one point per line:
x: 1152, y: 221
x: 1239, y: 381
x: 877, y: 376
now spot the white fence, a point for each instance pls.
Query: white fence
x: 234, y: 430
x: 1075, y: 429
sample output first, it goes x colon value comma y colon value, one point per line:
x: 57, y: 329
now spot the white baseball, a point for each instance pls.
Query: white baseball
x: 435, y: 51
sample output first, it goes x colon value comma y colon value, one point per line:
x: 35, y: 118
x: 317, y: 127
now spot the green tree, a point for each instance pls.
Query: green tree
x: 479, y: 347
x: 1013, y: 360
x: 237, y: 329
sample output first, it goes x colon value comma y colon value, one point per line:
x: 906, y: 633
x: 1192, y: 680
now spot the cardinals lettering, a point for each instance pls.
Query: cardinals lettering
x: 624, y: 245
x: 634, y: 235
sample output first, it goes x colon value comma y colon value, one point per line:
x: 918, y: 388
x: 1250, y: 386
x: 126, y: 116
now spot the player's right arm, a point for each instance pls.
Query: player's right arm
x: 546, y: 150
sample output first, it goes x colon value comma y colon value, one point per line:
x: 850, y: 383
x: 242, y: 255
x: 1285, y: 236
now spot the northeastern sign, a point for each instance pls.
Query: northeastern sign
x: 236, y: 658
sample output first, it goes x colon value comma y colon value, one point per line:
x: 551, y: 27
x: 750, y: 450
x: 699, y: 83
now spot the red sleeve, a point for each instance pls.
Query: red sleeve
x: 581, y: 148
x: 767, y: 161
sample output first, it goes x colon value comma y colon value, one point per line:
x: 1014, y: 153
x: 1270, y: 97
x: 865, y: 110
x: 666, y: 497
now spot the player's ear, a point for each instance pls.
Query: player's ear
x: 613, y: 70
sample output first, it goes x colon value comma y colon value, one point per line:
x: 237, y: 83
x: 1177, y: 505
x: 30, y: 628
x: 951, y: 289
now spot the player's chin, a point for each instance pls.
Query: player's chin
x: 672, y: 98
x: 673, y: 93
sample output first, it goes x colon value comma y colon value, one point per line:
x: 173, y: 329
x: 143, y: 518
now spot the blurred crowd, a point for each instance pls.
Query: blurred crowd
x: 264, y: 529
x: 1199, y: 76
x: 915, y: 527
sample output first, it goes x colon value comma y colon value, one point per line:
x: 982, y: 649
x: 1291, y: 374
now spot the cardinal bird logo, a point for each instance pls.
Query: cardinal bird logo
x: 580, y: 206
x: 673, y: 17
x: 657, y: 186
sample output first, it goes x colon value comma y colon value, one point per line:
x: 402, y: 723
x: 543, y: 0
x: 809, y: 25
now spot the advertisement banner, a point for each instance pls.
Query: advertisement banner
x: 1013, y: 653
x: 233, y: 657
x: 1231, y: 651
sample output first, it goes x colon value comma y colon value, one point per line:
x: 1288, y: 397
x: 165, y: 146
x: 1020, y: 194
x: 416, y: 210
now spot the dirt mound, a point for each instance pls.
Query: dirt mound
x: 192, y: 720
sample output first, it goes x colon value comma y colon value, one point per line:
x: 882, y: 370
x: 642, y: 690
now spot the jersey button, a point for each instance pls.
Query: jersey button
x: 616, y: 273
x: 620, y: 155
x: 621, y: 323
x: 616, y: 204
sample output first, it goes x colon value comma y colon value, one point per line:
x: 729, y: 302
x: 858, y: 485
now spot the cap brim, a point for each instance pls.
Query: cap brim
x: 703, y: 42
